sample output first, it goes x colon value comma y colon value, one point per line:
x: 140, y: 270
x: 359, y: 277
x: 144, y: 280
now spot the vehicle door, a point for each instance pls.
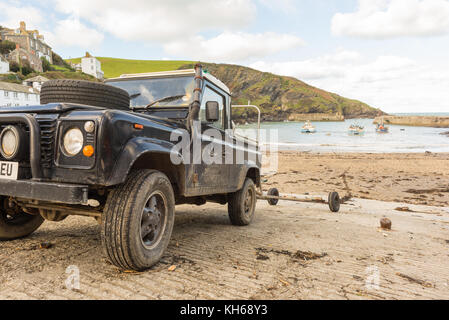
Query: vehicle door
x: 213, y: 173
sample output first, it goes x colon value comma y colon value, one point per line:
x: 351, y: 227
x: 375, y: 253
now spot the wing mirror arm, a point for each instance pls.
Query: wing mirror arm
x: 233, y: 127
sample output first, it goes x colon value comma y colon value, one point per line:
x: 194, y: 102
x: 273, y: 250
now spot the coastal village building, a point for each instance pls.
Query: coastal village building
x: 77, y: 67
x: 4, y: 65
x: 14, y: 95
x: 21, y: 56
x: 90, y: 65
x: 35, y: 82
x: 30, y: 46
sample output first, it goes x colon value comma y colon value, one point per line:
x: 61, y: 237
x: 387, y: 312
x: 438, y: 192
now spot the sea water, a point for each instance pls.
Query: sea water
x: 335, y: 137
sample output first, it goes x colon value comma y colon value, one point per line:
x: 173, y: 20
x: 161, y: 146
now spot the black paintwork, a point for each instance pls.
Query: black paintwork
x: 119, y: 147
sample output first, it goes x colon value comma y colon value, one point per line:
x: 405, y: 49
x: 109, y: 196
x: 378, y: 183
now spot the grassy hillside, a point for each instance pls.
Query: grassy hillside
x: 59, y: 68
x: 52, y: 75
x: 278, y: 96
x: 64, y: 74
x: 113, y: 67
x: 61, y: 74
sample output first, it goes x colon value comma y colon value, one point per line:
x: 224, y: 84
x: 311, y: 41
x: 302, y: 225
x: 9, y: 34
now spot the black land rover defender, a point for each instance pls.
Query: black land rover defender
x: 106, y: 151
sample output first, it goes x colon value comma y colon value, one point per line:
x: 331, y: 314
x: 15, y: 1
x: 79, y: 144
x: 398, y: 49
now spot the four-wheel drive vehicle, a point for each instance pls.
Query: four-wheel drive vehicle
x: 104, y: 151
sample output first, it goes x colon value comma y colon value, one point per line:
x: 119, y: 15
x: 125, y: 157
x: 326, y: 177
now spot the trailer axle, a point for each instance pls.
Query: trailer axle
x: 273, y: 198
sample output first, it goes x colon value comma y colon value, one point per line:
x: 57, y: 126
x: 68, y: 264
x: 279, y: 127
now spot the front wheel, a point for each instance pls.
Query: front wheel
x: 138, y: 220
x: 15, y: 224
x: 242, y: 204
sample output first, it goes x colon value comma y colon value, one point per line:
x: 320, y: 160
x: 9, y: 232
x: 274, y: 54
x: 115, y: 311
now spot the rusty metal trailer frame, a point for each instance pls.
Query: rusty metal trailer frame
x: 273, y: 198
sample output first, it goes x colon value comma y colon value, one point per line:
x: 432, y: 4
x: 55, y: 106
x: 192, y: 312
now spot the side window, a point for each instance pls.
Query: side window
x: 211, y: 95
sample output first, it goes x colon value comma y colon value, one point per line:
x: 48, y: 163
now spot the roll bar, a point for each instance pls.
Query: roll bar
x: 258, y: 120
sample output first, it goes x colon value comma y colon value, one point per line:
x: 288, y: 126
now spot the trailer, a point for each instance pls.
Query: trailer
x: 273, y: 196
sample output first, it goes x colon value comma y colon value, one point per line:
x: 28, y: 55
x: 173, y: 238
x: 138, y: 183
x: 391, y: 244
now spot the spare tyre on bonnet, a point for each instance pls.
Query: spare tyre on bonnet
x: 84, y: 92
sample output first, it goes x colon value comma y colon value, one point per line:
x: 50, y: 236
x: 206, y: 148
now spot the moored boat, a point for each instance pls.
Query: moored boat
x: 356, y: 130
x: 381, y: 127
x: 308, y: 128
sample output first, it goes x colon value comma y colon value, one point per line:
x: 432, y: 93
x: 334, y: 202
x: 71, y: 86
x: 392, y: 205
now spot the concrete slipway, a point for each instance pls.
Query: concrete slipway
x: 292, y: 251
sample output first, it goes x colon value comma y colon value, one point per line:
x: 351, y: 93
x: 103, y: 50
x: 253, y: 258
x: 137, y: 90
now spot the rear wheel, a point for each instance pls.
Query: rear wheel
x: 15, y: 224
x: 138, y: 220
x: 242, y: 204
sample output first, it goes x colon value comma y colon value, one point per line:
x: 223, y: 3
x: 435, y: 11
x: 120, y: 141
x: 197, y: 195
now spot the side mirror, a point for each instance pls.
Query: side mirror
x: 212, y: 111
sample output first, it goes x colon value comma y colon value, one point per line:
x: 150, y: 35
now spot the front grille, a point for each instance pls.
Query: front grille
x: 48, y: 128
x: 48, y: 133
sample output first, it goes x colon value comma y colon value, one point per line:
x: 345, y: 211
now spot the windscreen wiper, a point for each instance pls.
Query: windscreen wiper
x: 170, y: 98
x: 135, y: 95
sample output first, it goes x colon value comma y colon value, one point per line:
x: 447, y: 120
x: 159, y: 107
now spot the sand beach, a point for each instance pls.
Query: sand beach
x: 411, y: 178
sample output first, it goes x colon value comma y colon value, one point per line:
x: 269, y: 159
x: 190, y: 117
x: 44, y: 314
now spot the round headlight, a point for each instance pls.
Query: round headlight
x: 73, y: 142
x: 9, y: 142
x: 89, y: 126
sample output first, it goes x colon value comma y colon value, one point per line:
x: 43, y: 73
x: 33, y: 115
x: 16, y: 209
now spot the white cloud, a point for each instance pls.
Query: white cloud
x: 233, y: 47
x: 286, y: 6
x: 72, y: 33
x: 392, y: 83
x: 327, y: 66
x: 380, y: 19
x: 11, y: 14
x: 69, y: 32
x: 180, y: 26
x: 195, y: 29
x: 161, y: 21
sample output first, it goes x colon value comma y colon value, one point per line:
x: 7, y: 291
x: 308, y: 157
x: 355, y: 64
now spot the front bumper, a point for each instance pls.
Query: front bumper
x: 43, y: 191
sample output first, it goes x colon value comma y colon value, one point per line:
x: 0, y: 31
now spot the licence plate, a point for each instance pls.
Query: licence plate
x: 9, y: 170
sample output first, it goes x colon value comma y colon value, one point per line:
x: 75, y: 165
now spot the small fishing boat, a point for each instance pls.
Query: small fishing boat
x: 382, y: 128
x: 308, y: 128
x: 356, y: 130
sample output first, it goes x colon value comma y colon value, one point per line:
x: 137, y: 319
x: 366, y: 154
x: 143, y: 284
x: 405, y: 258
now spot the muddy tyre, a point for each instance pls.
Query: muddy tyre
x: 18, y: 225
x: 84, y: 92
x: 138, y: 220
x: 242, y: 204
x: 334, y: 202
x: 275, y: 193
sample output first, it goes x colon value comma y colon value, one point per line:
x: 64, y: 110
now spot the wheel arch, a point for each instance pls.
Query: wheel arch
x: 254, y: 174
x: 161, y: 161
x: 145, y: 153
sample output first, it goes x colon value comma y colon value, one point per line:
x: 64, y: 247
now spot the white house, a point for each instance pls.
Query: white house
x: 4, y: 65
x: 14, y: 95
x: 35, y: 82
x: 76, y: 66
x: 90, y: 65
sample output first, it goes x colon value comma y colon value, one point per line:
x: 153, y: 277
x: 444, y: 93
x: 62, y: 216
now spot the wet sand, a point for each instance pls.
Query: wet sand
x: 410, y: 178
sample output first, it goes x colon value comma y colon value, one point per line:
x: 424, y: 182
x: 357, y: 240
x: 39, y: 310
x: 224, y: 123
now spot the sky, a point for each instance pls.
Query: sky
x: 391, y: 54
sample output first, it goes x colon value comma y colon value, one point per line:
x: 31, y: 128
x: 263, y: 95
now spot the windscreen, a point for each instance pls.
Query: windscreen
x: 177, y: 90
